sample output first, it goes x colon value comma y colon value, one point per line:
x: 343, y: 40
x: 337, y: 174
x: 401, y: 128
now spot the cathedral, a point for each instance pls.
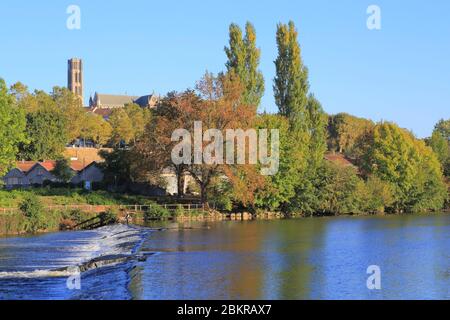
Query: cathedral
x: 103, y: 104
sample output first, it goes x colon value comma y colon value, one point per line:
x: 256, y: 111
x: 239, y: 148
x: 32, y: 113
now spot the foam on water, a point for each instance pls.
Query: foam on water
x: 28, y: 264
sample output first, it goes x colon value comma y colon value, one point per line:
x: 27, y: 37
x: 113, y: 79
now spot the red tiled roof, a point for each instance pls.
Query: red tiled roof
x: 49, y: 165
x: 24, y: 166
x: 78, y: 165
x: 338, y: 159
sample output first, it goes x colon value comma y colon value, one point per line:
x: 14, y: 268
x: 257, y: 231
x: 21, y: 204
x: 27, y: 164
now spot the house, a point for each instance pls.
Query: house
x: 16, y: 178
x: 91, y: 173
x: 41, y: 172
x: 31, y: 173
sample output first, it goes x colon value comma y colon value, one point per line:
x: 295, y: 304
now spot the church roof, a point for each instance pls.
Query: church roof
x: 115, y: 100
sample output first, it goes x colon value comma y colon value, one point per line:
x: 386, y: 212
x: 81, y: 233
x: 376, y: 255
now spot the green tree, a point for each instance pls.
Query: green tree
x: 243, y: 60
x: 291, y: 93
x: 317, y: 130
x: 443, y: 127
x: 63, y: 171
x: 291, y: 81
x: 47, y: 133
x: 72, y: 108
x: 96, y: 128
x: 33, y: 211
x: 12, y: 129
x: 122, y: 127
x: 374, y: 195
x: 307, y: 121
x: 345, y: 131
x: 139, y: 117
x: 337, y: 190
x: 440, y: 143
x: 280, y: 188
x: 413, y: 170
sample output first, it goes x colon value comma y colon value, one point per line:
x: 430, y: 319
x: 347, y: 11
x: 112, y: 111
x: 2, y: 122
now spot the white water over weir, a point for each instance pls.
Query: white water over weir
x: 47, y: 261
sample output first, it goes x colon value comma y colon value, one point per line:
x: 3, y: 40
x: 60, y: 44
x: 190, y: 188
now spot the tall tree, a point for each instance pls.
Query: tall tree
x: 291, y: 81
x: 12, y: 129
x: 243, y: 60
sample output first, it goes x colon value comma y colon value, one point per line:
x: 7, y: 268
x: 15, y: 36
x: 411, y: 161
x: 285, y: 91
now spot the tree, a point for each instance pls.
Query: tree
x: 279, y: 188
x: 374, y: 195
x: 291, y: 81
x: 62, y: 170
x: 317, y: 122
x: 217, y: 105
x: 33, y: 210
x: 72, y: 108
x: 47, y: 134
x: 122, y: 127
x: 307, y: 122
x: 443, y: 127
x: 440, y: 147
x: 344, y: 132
x: 19, y: 91
x: 413, y: 170
x: 96, y: 128
x: 220, y: 108
x: 337, y: 190
x: 12, y: 129
x: 153, y: 150
x: 440, y: 143
x: 243, y: 60
x: 139, y: 117
x: 117, y: 167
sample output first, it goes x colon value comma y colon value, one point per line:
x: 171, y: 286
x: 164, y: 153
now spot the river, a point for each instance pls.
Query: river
x: 311, y: 258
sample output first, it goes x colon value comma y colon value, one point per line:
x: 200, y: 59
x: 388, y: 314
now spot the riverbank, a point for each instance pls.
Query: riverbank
x: 84, y: 216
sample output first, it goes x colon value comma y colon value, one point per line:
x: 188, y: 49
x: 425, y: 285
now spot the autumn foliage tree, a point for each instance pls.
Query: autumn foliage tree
x: 217, y: 104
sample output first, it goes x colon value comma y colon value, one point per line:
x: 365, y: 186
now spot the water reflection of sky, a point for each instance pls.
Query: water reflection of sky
x: 322, y: 258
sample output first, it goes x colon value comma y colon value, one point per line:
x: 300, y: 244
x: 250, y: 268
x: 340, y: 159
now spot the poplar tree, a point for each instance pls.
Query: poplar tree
x: 291, y: 81
x: 307, y: 121
x: 243, y: 60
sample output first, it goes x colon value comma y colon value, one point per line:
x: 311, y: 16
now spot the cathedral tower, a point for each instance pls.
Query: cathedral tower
x: 75, y: 77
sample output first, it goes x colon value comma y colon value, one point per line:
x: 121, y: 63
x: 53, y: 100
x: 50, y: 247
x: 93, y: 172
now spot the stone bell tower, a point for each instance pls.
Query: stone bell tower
x: 75, y: 76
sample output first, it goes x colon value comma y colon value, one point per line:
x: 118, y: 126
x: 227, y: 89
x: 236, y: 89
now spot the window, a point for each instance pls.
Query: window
x: 13, y: 181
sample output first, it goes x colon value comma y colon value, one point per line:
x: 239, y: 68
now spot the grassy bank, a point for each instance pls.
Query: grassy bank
x: 43, y: 209
x: 64, y: 196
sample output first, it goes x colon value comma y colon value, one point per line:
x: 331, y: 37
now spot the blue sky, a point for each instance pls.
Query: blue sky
x: 400, y: 73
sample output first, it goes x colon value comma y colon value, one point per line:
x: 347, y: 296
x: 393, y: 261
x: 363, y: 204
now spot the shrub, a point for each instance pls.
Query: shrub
x: 374, y: 195
x: 179, y: 212
x: 155, y: 211
x: 33, y: 211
